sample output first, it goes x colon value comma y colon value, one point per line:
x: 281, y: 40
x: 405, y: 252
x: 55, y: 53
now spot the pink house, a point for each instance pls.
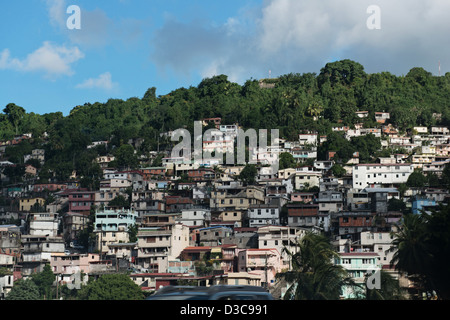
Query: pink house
x: 305, y: 197
x: 67, y: 266
x: 49, y: 186
x: 81, y: 201
x: 263, y: 262
x: 73, y: 263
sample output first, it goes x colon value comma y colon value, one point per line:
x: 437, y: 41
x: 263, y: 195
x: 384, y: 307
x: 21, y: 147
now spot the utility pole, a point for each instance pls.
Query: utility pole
x: 267, y: 280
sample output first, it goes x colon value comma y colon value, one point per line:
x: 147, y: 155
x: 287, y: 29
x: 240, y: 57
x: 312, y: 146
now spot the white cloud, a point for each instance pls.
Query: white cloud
x: 56, y: 12
x: 51, y: 59
x: 104, y: 81
x: 302, y: 36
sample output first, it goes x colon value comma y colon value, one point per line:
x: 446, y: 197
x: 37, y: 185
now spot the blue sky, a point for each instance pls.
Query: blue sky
x: 126, y: 46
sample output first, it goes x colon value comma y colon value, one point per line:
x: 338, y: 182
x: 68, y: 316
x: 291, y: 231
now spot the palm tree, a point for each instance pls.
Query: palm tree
x: 411, y: 254
x: 314, y: 276
x: 315, y: 109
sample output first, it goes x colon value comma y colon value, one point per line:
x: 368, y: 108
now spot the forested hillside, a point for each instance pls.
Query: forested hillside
x: 296, y: 103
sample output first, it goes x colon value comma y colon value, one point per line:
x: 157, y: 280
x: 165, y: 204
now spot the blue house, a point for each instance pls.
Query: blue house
x: 112, y: 220
x: 420, y: 203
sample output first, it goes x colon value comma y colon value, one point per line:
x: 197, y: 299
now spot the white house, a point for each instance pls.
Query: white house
x: 421, y: 130
x: 380, y: 174
x: 440, y: 131
x: 195, y: 217
x: 280, y: 238
x: 44, y: 223
x: 308, y: 139
x: 380, y: 243
x: 262, y: 215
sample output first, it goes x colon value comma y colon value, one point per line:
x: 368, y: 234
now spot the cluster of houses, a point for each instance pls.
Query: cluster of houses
x: 198, y: 223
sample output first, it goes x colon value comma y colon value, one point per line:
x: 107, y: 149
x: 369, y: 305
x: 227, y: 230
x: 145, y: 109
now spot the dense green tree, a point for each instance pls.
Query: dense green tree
x: 345, y: 72
x: 111, y: 287
x: 338, y: 170
x: 126, y: 157
x: 44, y: 281
x: 14, y: 173
x: 119, y: 202
x: 338, y: 143
x: 24, y: 290
x: 366, y: 146
x: 133, y: 231
x: 396, y: 205
x: 15, y: 115
x: 416, y: 180
x: 16, y: 153
x: 248, y: 174
x: 286, y: 160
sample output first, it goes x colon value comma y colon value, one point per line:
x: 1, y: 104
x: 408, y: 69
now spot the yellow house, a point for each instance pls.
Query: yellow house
x: 239, y: 201
x: 27, y: 204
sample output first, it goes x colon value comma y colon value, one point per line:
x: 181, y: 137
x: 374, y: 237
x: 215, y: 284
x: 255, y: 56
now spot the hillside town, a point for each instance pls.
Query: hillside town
x: 184, y: 222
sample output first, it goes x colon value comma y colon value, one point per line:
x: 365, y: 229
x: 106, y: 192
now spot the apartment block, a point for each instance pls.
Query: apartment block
x: 365, y: 175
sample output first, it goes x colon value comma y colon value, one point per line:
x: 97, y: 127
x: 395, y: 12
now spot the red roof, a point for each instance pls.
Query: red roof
x: 358, y: 254
x: 204, y: 248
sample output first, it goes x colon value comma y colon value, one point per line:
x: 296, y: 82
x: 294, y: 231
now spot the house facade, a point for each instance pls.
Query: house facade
x: 358, y: 265
x: 263, y: 262
x: 263, y: 214
x: 365, y: 175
